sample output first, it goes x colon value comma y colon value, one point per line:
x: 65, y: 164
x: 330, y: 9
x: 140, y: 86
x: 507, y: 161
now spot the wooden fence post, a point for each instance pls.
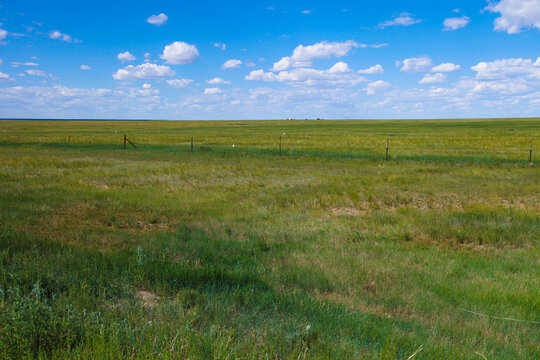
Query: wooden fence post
x: 191, y: 143
x: 530, y: 151
x: 387, y: 144
x: 127, y: 140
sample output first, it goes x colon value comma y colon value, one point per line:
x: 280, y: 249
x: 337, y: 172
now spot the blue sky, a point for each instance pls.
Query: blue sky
x: 269, y: 59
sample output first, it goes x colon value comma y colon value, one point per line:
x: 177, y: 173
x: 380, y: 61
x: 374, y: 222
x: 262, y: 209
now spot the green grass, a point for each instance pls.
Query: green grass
x: 324, y: 251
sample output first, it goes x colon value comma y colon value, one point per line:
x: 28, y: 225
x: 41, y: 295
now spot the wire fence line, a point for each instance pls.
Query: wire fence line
x: 494, y: 147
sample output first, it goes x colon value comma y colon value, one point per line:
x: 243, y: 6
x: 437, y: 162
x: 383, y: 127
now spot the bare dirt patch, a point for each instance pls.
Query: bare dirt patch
x: 345, y: 211
x: 147, y: 298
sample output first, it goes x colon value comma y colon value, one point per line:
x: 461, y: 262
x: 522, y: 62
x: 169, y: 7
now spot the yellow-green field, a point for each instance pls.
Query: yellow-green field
x: 325, y: 250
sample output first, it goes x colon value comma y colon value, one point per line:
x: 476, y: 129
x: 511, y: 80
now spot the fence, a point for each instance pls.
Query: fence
x: 368, y: 146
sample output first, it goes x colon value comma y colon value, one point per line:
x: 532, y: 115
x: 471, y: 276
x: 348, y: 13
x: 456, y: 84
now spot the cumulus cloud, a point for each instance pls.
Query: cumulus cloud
x: 3, y: 34
x: 455, y: 23
x: 303, y: 56
x: 403, y: 19
x: 446, y: 67
x: 377, y: 86
x: 414, y: 65
x: 157, y: 20
x: 212, y: 91
x: 282, y: 64
x: 179, y: 83
x: 433, y: 78
x: 338, y: 75
x: 515, y: 15
x: 231, y: 64
x: 507, y: 68
x: 220, y: 46
x: 322, y: 50
x: 125, y: 56
x: 143, y: 71
x: 57, y: 35
x: 85, y: 67
x: 306, y: 11
x: 375, y: 69
x: 180, y: 52
x: 217, y: 81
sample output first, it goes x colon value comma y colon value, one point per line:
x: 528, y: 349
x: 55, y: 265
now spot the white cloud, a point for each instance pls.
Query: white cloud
x: 212, y: 91
x: 4, y: 77
x: 220, y: 46
x: 507, y: 68
x: 516, y: 15
x: 446, y: 67
x: 306, y: 11
x: 303, y: 56
x: 403, y: 19
x: 469, y: 97
x: 125, y: 56
x: 143, y: 71
x: 283, y: 64
x: 231, y: 64
x: 179, y: 83
x: 494, y: 89
x: 180, y: 52
x: 322, y: 50
x: 3, y: 34
x: 376, y: 86
x: 146, y: 92
x: 433, y: 78
x: 250, y: 64
x: 337, y: 75
x: 414, y: 65
x: 455, y: 23
x: 375, y: 69
x: 17, y: 64
x: 157, y: 20
x: 146, y: 86
x: 35, y: 72
x: 85, y: 67
x: 60, y: 101
x: 217, y: 80
x: 57, y: 35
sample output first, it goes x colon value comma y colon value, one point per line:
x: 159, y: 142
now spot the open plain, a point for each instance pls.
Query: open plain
x: 328, y: 248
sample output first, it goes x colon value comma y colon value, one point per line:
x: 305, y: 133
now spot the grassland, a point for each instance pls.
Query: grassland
x: 326, y: 250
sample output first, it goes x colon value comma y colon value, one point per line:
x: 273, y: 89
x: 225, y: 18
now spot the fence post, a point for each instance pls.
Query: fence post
x: 125, y: 141
x: 279, y: 144
x: 530, y: 151
x: 191, y: 143
x: 387, y: 144
x: 69, y: 139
